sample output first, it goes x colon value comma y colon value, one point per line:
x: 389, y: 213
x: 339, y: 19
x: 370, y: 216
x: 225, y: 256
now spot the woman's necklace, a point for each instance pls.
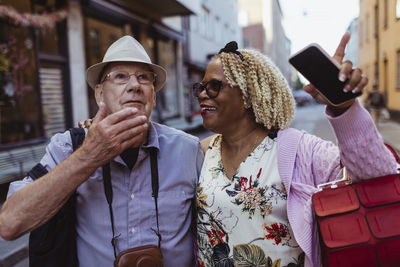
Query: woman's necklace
x: 231, y: 160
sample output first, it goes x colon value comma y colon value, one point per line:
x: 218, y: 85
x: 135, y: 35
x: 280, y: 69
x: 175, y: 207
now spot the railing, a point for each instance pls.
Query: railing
x: 15, y: 163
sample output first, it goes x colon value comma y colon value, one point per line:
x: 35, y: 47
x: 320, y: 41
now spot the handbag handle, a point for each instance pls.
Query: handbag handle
x: 346, y: 180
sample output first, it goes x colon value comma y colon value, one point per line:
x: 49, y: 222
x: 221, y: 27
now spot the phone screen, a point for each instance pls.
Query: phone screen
x: 319, y: 70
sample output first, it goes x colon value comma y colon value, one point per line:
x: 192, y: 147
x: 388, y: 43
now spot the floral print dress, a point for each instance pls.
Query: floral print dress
x: 243, y: 221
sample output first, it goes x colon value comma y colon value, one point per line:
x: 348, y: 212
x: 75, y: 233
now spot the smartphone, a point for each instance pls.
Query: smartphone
x: 322, y: 71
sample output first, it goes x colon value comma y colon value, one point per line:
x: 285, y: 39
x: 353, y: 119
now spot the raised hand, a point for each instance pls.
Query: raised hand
x: 356, y: 80
x: 108, y: 136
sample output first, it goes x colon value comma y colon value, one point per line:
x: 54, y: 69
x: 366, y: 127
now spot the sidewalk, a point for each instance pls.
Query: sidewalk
x: 14, y: 253
x: 390, y: 131
x: 182, y: 124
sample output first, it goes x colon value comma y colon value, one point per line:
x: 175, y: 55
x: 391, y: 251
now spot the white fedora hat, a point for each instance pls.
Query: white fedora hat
x: 125, y: 49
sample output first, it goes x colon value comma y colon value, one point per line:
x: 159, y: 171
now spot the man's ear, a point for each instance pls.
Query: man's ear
x: 98, y: 93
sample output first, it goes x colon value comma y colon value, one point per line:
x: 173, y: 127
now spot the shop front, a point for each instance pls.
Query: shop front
x: 45, y: 48
x: 33, y: 77
x: 105, y: 23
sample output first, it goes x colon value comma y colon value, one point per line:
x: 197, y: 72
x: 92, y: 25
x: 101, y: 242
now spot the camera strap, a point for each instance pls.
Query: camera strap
x: 109, y: 195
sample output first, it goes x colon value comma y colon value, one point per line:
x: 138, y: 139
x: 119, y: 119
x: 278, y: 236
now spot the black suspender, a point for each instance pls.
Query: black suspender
x: 154, y: 187
x: 109, y: 196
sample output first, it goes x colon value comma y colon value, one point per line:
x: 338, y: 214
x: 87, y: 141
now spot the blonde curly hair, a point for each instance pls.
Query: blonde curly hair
x: 263, y: 86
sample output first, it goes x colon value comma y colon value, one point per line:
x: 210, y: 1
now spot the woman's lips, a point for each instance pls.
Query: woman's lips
x: 205, y: 109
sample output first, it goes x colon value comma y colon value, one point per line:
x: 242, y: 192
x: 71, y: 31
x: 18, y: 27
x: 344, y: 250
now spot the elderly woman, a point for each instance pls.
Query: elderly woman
x: 258, y: 176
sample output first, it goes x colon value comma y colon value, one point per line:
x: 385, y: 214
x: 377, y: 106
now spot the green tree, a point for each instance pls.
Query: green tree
x: 298, y: 84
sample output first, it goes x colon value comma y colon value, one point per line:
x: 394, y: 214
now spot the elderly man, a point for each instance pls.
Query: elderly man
x: 117, y: 144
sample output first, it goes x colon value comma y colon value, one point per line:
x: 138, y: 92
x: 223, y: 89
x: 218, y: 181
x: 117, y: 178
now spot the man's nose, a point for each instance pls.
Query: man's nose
x: 133, y: 84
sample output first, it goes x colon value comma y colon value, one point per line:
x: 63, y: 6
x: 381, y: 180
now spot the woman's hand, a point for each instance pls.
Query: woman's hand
x: 356, y: 80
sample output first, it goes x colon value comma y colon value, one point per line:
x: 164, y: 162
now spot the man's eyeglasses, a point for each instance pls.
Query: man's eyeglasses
x: 122, y: 77
x: 212, y: 88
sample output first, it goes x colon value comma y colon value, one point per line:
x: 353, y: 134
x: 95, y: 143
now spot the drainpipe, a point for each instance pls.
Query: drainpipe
x: 376, y: 35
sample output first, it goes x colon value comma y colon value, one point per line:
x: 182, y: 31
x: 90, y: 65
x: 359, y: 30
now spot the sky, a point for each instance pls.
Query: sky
x: 317, y: 21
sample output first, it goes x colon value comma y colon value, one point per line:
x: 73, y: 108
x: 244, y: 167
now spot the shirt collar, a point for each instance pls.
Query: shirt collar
x: 152, y: 140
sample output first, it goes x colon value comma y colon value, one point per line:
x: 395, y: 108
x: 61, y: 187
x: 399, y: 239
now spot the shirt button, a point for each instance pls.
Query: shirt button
x: 132, y: 196
x: 133, y: 230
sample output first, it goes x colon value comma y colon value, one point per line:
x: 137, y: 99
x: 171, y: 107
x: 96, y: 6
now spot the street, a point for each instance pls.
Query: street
x: 312, y: 119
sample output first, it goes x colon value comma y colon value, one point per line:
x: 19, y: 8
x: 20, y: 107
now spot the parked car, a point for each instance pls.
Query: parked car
x: 302, y: 98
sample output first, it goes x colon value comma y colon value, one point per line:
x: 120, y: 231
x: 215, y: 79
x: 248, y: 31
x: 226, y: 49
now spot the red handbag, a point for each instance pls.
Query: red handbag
x: 359, y: 224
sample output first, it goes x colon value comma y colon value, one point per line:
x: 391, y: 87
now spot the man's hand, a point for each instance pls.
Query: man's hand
x: 108, y: 136
x: 357, y: 81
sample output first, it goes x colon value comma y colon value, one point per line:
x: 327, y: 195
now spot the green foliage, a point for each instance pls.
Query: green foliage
x: 298, y: 84
x: 249, y: 255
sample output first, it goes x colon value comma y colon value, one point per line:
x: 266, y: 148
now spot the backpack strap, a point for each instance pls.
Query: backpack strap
x: 77, y: 137
x: 37, y: 171
x: 54, y: 242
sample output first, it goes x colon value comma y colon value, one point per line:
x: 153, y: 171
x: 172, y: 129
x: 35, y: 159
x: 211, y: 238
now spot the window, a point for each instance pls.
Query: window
x: 398, y: 69
x: 205, y: 21
x: 100, y: 35
x: 398, y: 9
x: 49, y: 36
x: 218, y: 33
x: 226, y: 33
x: 19, y: 96
x: 193, y: 23
x: 20, y: 104
x: 246, y: 42
x: 385, y: 14
x: 243, y: 18
x: 376, y: 22
x: 367, y: 22
x: 94, y: 43
x: 210, y: 27
x: 167, y: 98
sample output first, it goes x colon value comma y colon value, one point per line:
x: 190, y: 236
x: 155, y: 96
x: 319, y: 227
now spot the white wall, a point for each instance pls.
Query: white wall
x: 215, y: 25
x: 80, y: 109
x: 276, y: 44
x: 352, y: 46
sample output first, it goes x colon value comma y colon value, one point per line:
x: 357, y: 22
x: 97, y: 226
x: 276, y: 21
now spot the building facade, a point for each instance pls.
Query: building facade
x: 45, y: 48
x: 379, y: 48
x: 210, y: 28
x: 261, y: 21
x: 351, y: 52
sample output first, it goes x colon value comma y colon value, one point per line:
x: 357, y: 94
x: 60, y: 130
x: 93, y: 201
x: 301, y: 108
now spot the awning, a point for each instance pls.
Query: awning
x: 166, y: 8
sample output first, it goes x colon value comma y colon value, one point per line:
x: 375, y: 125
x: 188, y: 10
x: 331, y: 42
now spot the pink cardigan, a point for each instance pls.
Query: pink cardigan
x: 304, y: 161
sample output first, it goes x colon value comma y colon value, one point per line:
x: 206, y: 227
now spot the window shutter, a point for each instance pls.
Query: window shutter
x: 51, y: 87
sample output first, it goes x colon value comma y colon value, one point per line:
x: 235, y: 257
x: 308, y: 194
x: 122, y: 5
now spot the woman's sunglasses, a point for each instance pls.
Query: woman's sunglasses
x: 212, y: 88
